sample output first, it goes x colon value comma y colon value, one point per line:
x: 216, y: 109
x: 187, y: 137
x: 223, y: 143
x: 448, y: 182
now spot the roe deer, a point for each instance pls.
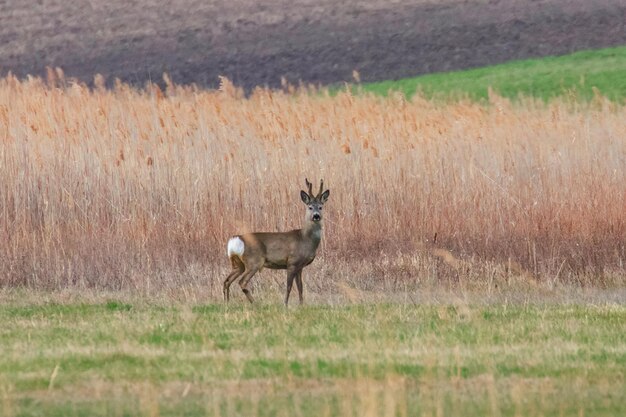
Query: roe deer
x: 251, y: 252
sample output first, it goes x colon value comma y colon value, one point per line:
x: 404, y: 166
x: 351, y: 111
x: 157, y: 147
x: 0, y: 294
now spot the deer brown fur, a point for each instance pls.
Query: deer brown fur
x: 293, y: 250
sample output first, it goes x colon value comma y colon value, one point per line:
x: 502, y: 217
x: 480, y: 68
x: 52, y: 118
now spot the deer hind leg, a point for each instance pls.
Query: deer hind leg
x: 238, y: 270
x: 245, y: 279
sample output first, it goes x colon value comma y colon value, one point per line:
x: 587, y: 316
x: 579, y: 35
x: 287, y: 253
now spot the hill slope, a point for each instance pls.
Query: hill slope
x: 580, y: 73
x: 319, y: 41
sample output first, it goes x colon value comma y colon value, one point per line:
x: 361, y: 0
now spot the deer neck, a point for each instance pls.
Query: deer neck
x: 312, y: 231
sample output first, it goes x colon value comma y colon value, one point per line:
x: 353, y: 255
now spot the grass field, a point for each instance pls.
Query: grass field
x: 581, y: 75
x: 399, y: 359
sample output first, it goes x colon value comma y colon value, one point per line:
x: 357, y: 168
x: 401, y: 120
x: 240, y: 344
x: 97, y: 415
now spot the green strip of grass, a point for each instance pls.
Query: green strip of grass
x: 125, y: 359
x: 577, y: 74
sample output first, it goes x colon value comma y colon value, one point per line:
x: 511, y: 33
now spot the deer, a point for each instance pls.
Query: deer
x: 251, y: 252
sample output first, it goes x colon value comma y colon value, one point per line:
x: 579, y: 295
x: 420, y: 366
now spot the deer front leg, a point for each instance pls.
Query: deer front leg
x: 291, y: 275
x: 299, y: 286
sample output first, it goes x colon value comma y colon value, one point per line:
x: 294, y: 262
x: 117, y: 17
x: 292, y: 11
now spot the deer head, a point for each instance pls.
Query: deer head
x: 314, y: 204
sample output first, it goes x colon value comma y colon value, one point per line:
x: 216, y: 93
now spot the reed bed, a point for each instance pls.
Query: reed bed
x: 139, y: 189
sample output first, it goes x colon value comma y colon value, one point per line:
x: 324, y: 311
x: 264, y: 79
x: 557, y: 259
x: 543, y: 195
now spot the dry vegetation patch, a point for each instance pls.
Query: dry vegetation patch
x: 139, y: 189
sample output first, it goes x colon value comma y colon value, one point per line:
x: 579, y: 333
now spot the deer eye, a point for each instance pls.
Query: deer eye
x: 320, y: 208
x: 310, y: 207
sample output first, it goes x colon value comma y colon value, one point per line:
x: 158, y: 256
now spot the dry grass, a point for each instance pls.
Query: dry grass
x: 139, y: 190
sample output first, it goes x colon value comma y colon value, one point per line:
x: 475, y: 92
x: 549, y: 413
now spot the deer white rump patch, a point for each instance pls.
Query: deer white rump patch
x: 235, y: 246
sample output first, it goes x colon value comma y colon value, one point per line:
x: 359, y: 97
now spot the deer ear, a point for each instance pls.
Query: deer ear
x: 305, y: 197
x: 324, y: 196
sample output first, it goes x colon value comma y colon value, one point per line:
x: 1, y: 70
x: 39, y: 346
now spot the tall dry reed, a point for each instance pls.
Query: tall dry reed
x: 140, y: 189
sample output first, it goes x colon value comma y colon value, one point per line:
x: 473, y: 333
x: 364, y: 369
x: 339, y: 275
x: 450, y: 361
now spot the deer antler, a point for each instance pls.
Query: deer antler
x: 321, y: 189
x: 308, y: 184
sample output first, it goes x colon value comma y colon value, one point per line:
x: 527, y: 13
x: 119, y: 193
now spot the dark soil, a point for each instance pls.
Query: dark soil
x: 315, y: 41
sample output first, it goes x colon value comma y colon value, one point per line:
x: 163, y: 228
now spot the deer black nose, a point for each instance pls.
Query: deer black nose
x: 317, y: 217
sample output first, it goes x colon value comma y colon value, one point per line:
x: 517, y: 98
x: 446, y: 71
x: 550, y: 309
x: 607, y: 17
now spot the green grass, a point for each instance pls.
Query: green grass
x: 578, y: 74
x: 377, y: 359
